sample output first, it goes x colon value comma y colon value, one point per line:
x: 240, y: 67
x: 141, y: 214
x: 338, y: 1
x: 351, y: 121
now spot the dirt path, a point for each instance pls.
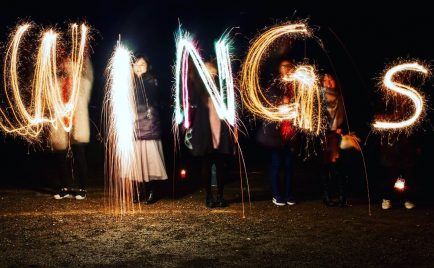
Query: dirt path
x: 39, y: 231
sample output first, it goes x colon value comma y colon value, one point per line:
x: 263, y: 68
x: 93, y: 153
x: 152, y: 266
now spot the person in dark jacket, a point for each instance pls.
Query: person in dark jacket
x: 280, y: 137
x: 209, y: 138
x: 149, y: 150
x: 333, y: 162
x: 398, y: 159
x: 399, y: 154
x: 398, y: 174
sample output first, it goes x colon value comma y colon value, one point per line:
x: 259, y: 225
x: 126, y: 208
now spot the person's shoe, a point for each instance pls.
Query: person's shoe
x: 278, y: 202
x: 209, y: 202
x: 344, y: 204
x: 409, y: 205
x: 63, y: 193
x: 328, y: 202
x: 290, y: 202
x: 387, y: 204
x: 135, y: 199
x: 221, y: 202
x: 151, y: 199
x: 81, y: 194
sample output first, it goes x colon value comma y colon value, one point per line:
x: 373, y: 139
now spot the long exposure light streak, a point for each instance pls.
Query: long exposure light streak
x: 222, y: 95
x: 251, y: 91
x: 28, y: 117
x: 407, y: 91
x: 120, y: 115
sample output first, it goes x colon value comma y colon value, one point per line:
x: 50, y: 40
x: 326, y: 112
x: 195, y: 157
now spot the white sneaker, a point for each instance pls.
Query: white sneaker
x: 290, y: 202
x: 386, y: 204
x: 409, y: 205
x: 63, y: 193
x: 278, y: 202
x: 81, y: 194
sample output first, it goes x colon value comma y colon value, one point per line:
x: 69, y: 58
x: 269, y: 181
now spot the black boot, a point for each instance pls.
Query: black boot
x: 325, y: 184
x: 221, y: 202
x: 209, y: 201
x: 343, y: 202
x: 136, y: 192
x: 152, y: 198
x: 328, y: 202
x: 342, y: 192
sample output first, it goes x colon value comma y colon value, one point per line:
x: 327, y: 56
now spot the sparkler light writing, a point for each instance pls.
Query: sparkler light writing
x: 305, y: 108
x: 46, y: 104
x: 251, y: 92
x: 407, y: 91
x: 307, y: 98
x: 223, y: 98
x: 120, y: 114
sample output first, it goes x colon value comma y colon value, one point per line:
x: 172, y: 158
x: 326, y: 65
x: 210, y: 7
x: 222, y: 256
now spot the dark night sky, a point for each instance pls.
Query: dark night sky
x: 371, y: 36
x: 360, y: 37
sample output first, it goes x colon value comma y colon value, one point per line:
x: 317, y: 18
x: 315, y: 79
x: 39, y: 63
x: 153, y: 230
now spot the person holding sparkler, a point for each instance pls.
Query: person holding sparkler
x: 406, y: 109
x: 78, y: 137
x: 333, y: 165
x: 397, y: 162
x: 149, y: 149
x: 397, y: 165
x: 280, y: 137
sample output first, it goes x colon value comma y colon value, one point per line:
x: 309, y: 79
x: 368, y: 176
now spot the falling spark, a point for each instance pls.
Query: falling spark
x: 120, y: 115
x: 251, y: 91
x: 400, y: 184
x: 46, y: 104
x: 223, y: 97
x: 407, y: 91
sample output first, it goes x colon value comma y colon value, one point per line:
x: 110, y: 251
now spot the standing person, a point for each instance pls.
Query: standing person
x: 280, y: 138
x: 333, y: 167
x: 149, y: 149
x: 77, y: 138
x: 397, y: 162
x: 210, y: 138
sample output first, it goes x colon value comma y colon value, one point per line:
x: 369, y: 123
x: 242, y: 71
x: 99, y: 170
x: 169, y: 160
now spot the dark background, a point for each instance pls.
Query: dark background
x: 360, y: 39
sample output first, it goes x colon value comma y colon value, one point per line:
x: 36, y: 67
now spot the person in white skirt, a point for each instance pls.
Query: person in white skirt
x: 149, y: 149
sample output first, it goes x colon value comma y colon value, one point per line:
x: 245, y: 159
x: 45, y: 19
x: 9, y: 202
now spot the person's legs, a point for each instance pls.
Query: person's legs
x: 206, y: 163
x: 64, y: 177
x: 289, y: 173
x: 221, y: 173
x: 276, y: 160
x: 342, y: 180
x: 326, y: 174
x: 408, y: 193
x: 80, y: 168
x: 152, y: 196
x: 389, y: 176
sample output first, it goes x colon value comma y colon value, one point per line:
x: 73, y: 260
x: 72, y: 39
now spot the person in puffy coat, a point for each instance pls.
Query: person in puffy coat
x: 149, y: 149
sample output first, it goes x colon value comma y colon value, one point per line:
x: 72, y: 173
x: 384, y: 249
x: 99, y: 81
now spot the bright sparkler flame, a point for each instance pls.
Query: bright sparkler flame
x: 46, y: 104
x: 417, y: 99
x: 307, y: 96
x: 400, y: 184
x: 223, y: 98
x: 251, y: 92
x: 120, y: 112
